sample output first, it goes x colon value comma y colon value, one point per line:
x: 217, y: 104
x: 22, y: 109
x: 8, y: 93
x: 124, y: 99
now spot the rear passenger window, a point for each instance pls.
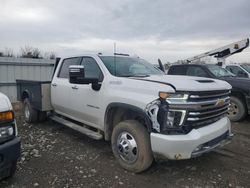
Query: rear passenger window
x: 64, y: 71
x: 196, y: 71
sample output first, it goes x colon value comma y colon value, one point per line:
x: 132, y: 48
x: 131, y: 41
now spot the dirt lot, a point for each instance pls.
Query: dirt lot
x: 56, y: 156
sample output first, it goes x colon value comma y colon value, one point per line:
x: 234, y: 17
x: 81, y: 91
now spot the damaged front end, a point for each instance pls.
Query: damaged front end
x: 167, y: 120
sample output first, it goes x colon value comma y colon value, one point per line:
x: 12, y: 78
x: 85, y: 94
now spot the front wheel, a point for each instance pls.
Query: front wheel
x: 131, y: 146
x: 237, y: 110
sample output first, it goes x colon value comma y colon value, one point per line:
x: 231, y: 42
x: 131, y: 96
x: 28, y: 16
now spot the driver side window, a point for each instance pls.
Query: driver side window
x: 91, y: 68
x: 234, y: 69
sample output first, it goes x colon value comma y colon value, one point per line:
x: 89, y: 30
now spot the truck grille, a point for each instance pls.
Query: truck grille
x: 209, y: 107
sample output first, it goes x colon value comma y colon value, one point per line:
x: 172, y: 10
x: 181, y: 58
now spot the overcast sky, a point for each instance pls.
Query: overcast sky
x: 166, y: 29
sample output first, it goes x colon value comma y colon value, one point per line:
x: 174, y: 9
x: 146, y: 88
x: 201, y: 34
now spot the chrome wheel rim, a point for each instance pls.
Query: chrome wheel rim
x: 233, y: 110
x: 26, y: 112
x: 127, y: 147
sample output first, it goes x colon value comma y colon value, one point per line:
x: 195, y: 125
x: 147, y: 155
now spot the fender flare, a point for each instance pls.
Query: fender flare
x: 125, y: 106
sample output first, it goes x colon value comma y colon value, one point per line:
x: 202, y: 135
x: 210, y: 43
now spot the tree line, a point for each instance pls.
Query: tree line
x: 28, y: 52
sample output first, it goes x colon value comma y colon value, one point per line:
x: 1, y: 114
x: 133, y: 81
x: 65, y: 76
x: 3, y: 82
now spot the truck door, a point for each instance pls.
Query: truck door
x: 85, y: 102
x: 60, y: 87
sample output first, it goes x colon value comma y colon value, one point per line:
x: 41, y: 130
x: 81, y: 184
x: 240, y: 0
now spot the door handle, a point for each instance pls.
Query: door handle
x: 54, y: 84
x: 74, y: 87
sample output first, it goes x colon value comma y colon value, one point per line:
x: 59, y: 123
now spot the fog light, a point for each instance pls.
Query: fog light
x: 6, y: 131
x: 198, y: 148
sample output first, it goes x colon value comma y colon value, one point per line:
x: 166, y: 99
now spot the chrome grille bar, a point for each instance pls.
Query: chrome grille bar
x: 207, y: 117
x: 209, y: 96
x: 208, y: 112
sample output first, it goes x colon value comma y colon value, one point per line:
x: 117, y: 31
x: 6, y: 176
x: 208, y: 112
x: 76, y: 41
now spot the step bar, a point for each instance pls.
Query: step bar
x: 92, y: 134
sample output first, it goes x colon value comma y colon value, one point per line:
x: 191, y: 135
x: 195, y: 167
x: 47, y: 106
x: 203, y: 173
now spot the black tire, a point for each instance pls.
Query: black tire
x: 30, y: 114
x: 237, y: 110
x: 42, y: 116
x: 142, y: 155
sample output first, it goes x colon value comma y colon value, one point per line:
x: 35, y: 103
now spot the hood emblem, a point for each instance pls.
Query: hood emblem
x: 220, y: 103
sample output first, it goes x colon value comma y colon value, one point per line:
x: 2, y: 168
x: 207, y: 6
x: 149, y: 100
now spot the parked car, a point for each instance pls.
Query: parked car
x: 9, y: 141
x: 145, y: 113
x: 240, y: 70
x: 240, y: 94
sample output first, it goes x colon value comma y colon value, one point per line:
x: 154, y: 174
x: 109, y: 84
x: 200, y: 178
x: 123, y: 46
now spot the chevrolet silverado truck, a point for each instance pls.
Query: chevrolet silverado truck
x: 240, y: 93
x: 143, y: 112
x: 9, y: 142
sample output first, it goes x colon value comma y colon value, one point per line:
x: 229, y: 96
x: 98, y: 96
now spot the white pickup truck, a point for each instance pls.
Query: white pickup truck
x: 145, y: 113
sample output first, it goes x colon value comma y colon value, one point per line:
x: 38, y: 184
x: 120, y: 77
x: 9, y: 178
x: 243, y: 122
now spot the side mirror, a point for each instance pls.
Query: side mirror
x: 161, y: 66
x: 77, y: 76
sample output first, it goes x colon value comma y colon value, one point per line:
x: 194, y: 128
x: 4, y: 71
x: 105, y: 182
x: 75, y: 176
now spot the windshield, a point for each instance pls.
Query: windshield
x: 219, y: 71
x: 246, y: 67
x: 129, y: 67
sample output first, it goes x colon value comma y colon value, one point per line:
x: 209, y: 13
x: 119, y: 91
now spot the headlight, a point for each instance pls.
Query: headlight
x: 164, y: 116
x: 169, y: 119
x: 6, y: 133
x: 6, y: 116
x: 175, y: 118
x: 173, y: 97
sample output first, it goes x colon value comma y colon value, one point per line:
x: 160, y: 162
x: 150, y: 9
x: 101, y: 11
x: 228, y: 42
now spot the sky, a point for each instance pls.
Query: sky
x: 151, y: 29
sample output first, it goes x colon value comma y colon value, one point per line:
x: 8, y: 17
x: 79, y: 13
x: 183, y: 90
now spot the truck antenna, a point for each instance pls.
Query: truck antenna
x: 115, y: 57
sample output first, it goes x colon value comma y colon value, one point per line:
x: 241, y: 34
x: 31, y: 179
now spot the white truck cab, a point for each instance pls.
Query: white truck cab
x: 145, y: 113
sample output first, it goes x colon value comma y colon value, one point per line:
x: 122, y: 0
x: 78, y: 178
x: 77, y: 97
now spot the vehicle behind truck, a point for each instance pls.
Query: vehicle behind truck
x: 240, y: 93
x: 143, y: 112
x: 9, y: 142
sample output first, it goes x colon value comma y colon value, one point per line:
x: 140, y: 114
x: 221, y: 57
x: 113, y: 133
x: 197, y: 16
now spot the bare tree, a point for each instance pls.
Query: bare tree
x: 49, y: 55
x: 8, y: 52
x: 26, y: 52
x: 36, y: 53
x: 52, y: 55
x: 31, y: 52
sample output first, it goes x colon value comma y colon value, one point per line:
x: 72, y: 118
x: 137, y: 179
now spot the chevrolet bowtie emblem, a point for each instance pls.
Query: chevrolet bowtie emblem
x: 220, y: 103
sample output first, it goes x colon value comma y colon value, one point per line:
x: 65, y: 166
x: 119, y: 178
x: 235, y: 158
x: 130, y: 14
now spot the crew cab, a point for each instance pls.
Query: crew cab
x: 145, y: 113
x: 240, y: 94
x: 9, y: 142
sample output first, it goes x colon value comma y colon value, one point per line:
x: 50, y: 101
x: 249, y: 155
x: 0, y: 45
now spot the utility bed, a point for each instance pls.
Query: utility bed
x: 38, y: 92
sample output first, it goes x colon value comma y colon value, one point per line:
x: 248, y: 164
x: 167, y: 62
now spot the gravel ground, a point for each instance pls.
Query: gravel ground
x: 56, y: 156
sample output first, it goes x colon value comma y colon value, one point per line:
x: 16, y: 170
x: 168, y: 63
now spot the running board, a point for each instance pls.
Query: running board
x: 83, y: 130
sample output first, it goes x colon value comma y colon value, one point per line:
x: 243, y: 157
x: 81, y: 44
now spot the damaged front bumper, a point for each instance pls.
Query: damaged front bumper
x: 193, y: 144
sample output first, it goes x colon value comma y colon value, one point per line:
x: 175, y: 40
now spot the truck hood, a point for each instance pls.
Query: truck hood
x: 236, y: 82
x: 189, y: 83
x: 4, y: 103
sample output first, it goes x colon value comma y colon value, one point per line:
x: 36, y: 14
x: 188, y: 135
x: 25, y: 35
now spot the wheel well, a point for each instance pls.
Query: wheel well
x: 24, y: 95
x: 115, y: 115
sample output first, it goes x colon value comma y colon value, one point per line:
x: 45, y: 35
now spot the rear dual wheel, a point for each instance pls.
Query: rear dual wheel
x: 32, y: 115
